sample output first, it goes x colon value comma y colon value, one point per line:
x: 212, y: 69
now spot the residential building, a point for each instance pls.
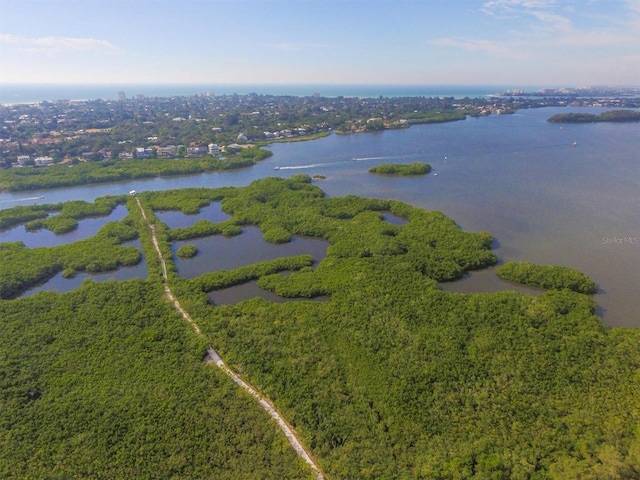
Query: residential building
x: 142, y: 152
x: 196, y: 150
x: 43, y: 161
x: 166, y: 152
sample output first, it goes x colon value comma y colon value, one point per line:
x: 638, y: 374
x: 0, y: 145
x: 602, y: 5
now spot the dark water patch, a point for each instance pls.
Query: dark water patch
x: 249, y: 290
x: 394, y: 219
x: 486, y: 281
x: 60, y: 284
x: 217, y: 253
x: 177, y: 219
x: 87, y: 228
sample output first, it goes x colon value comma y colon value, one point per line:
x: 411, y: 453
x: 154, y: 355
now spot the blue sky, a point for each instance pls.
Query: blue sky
x: 493, y: 42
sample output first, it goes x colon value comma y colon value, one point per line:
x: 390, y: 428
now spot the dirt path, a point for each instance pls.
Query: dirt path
x: 214, y: 358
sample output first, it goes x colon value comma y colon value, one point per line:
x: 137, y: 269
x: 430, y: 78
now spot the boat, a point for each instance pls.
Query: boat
x: 276, y: 168
x: 575, y: 143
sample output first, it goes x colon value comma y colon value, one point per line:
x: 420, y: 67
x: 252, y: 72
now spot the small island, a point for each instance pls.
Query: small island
x: 415, y: 168
x: 611, y: 116
x: 551, y: 277
x: 187, y: 251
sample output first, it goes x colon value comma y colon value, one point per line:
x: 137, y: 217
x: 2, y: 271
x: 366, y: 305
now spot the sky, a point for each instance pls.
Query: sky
x: 413, y: 42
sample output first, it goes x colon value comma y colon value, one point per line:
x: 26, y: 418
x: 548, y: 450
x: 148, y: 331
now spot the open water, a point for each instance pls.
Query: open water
x: 549, y: 193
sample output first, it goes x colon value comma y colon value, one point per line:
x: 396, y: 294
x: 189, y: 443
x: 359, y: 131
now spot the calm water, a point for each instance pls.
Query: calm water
x: 87, y: 228
x: 61, y: 284
x: 177, y: 219
x: 238, y: 293
x: 516, y: 176
x: 220, y: 253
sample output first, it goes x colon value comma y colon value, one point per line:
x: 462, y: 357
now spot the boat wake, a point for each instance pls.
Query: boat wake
x: 27, y: 199
x: 299, y: 167
x: 362, y: 159
x: 334, y: 164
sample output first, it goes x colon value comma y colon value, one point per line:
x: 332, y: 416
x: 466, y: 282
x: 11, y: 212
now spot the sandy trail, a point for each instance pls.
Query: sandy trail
x: 214, y: 358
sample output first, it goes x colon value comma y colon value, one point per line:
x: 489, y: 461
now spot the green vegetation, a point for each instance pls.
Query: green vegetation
x: 187, y: 251
x: 36, y: 217
x: 71, y: 212
x: 108, y: 382
x: 390, y: 378
x: 21, y: 267
x: 17, y: 179
x: 415, y: 168
x: 439, y: 116
x: 21, y: 214
x: 547, y: 276
x: 302, y: 138
x: 611, y: 116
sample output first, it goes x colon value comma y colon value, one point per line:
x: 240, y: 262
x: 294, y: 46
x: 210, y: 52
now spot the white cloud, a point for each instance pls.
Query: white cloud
x: 558, y: 24
x: 8, y: 38
x: 511, y: 7
x: 552, y: 20
x: 544, y: 11
x: 489, y: 47
x: 54, y: 45
x: 633, y: 5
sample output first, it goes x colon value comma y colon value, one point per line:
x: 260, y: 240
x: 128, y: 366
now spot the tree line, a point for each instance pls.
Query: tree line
x: 610, y: 116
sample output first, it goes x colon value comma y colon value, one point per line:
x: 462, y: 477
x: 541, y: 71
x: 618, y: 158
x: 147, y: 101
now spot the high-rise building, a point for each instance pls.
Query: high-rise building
x: 121, y: 96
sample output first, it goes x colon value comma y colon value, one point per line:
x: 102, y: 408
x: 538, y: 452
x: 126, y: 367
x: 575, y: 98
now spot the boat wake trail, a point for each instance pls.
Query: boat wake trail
x: 333, y: 164
x: 27, y: 199
x: 299, y: 167
x: 362, y: 159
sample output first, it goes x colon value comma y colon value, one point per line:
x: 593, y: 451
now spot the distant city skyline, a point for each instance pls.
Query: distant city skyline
x: 497, y: 42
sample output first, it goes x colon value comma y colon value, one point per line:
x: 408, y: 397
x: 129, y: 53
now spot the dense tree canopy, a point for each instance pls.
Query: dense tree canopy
x: 108, y: 382
x: 610, y: 116
x: 415, y: 168
x: 547, y: 276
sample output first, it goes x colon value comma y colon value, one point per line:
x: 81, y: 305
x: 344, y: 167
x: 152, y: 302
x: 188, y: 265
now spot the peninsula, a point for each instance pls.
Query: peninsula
x: 610, y: 116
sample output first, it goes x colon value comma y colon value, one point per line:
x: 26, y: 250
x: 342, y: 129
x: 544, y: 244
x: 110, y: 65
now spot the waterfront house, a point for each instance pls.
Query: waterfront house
x: 43, y: 161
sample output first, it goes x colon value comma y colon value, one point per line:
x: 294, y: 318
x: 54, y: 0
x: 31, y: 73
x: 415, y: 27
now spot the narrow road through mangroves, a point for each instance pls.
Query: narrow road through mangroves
x: 214, y: 358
